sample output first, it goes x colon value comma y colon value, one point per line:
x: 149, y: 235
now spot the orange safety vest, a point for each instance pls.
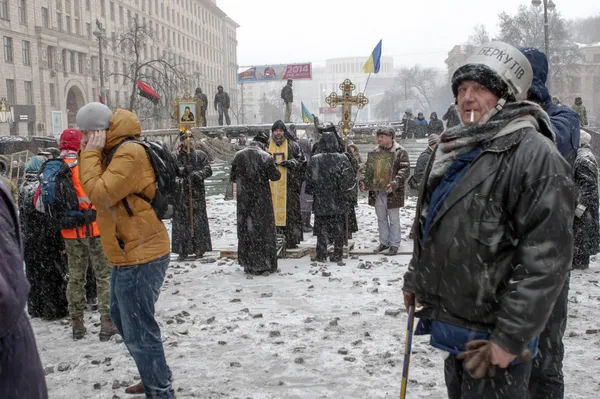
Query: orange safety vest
x: 84, y: 203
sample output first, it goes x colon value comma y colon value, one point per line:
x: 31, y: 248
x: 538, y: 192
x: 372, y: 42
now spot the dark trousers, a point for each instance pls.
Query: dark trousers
x: 223, y: 110
x: 134, y: 292
x: 329, y: 229
x: 547, y: 380
x: 203, y: 115
x: 509, y: 383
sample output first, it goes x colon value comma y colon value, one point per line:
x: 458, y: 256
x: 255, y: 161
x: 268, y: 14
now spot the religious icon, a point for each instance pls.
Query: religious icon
x: 378, y: 171
x: 187, y: 111
x: 4, y: 105
x: 279, y: 157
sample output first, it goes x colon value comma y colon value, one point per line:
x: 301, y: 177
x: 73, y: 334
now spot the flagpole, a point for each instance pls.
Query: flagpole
x: 365, y: 92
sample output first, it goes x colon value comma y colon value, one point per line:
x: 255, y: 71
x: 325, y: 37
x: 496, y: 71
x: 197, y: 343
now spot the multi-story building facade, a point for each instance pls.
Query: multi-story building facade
x: 50, y: 66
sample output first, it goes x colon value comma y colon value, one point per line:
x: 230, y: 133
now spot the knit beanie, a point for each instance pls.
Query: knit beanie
x: 481, y: 74
x: 386, y: 131
x: 433, y: 139
x: 93, y: 116
x: 70, y: 140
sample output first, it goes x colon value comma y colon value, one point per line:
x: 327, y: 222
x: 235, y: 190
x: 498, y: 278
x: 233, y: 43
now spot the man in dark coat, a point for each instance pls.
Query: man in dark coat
x: 45, y: 261
x: 286, y: 191
x: 436, y: 126
x: 204, y: 98
x: 388, y: 203
x: 222, y: 104
x: 330, y: 178
x: 287, y: 94
x: 585, y: 226
x: 415, y: 181
x: 193, y: 169
x: 547, y: 380
x: 21, y: 372
x: 251, y: 170
x: 306, y: 200
x: 409, y: 125
x: 493, y: 236
x: 451, y: 117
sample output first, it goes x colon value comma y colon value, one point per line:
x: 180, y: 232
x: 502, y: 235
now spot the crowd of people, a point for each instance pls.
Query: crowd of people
x: 507, y: 205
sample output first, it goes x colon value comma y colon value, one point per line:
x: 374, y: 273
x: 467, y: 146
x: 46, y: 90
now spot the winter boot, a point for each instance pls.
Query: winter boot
x: 107, y: 328
x: 136, y: 389
x: 79, y: 329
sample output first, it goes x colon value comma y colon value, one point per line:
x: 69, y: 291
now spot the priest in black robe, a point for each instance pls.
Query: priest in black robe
x: 285, y: 192
x: 193, y: 170
x: 251, y: 170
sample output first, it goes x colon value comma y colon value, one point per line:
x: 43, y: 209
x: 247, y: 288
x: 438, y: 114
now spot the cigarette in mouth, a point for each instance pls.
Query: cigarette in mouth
x: 472, y: 115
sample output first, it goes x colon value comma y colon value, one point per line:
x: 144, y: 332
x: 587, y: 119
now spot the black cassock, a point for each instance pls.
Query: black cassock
x: 45, y: 261
x: 198, y: 170
x: 251, y: 170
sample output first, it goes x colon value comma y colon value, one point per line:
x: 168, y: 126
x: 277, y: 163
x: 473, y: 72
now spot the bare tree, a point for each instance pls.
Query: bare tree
x: 587, y: 30
x: 271, y: 107
x: 159, y: 68
x: 526, y: 29
x: 479, y: 36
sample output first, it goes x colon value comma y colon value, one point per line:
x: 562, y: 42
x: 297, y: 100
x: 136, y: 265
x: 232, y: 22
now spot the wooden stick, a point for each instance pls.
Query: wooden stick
x: 407, y: 350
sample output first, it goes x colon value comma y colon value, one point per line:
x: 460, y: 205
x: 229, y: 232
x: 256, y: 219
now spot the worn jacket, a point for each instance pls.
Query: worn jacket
x: 501, y: 245
x: 222, y: 100
x: 422, y: 162
x: 126, y: 240
x: 400, y: 171
x: 585, y: 227
x: 88, y: 230
x: 582, y: 112
x: 287, y: 94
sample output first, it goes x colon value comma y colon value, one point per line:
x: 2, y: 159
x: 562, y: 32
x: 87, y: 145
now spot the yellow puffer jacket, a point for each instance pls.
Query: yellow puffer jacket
x: 126, y: 240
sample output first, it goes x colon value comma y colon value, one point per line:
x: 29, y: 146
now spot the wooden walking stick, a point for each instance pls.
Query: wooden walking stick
x: 407, y: 350
x: 190, y: 191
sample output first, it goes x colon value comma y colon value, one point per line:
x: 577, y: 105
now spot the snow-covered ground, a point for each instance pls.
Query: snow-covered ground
x: 301, y: 333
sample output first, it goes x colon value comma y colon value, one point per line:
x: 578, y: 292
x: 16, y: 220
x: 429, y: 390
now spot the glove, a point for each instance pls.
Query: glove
x: 478, y: 359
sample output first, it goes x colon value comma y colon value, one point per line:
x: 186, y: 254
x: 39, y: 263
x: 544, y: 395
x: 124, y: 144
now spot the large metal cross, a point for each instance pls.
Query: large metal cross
x: 347, y: 100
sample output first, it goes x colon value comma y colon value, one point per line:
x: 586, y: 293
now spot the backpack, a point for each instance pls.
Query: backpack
x: 165, y: 168
x: 58, y: 196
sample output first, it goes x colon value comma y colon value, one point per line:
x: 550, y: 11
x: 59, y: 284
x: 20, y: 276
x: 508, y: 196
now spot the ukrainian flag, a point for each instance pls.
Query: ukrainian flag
x: 374, y: 63
x: 306, y: 116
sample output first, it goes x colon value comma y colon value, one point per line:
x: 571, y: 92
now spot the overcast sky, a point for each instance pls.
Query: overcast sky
x: 420, y: 31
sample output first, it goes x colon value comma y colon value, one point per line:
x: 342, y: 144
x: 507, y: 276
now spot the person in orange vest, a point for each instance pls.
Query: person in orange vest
x: 83, y: 245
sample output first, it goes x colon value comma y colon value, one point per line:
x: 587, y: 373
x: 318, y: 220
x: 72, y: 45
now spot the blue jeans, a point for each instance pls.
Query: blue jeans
x: 388, y: 220
x: 134, y: 291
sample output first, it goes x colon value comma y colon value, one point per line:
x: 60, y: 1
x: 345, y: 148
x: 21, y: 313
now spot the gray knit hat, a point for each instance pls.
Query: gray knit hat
x: 93, y: 116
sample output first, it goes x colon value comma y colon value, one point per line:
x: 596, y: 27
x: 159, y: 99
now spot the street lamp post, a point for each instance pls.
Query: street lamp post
x: 99, y: 33
x: 548, y: 6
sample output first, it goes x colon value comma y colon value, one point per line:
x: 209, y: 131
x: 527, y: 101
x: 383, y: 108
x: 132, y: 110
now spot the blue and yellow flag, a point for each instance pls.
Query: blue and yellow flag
x: 306, y: 116
x: 373, y: 64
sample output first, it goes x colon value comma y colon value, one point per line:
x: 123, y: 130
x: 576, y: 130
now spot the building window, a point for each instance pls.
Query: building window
x: 8, y: 49
x: 81, y: 62
x: 68, y: 24
x: 44, y: 17
x: 59, y: 21
x: 88, y: 30
x: 52, y: 91
x: 93, y: 66
x: 94, y: 94
x: 22, y: 12
x: 143, y: 5
x: 112, y: 11
x: 87, y: 5
x: 51, y: 57
x: 596, y: 58
x: 71, y: 61
x: 116, y: 72
x: 124, y: 73
x: 77, y: 30
x: 77, y: 8
x: 121, y: 14
x: 67, y: 6
x: 117, y: 98
x: 26, y: 53
x: 28, y: 92
x: 102, y: 8
x: 4, y: 10
x: 10, y: 91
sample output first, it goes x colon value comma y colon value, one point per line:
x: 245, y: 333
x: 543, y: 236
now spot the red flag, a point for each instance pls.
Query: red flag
x: 100, y: 99
x: 147, y: 92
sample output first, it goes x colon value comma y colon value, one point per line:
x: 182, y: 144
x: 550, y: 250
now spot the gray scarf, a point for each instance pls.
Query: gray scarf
x: 463, y: 139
